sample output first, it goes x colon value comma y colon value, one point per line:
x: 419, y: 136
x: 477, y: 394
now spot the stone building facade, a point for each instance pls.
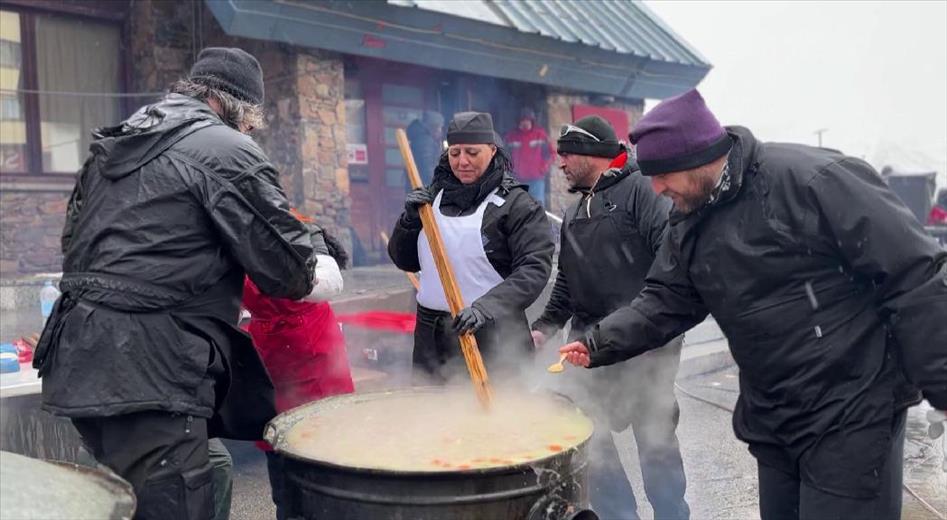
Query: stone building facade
x: 306, y: 134
x: 305, y: 138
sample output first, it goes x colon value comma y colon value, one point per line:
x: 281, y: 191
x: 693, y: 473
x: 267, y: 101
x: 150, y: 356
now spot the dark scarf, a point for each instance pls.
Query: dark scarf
x: 466, y: 196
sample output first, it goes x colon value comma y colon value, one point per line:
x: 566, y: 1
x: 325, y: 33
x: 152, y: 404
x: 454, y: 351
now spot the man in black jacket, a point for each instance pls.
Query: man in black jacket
x: 609, y: 239
x: 830, y: 294
x: 171, y: 210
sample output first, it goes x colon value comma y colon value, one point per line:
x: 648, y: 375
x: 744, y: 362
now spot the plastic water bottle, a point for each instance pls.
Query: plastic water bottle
x: 47, y: 298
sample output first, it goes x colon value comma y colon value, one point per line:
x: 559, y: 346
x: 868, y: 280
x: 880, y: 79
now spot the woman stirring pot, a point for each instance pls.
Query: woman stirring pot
x: 499, y: 243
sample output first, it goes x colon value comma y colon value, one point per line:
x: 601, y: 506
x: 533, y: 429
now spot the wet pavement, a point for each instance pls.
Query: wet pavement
x: 722, y: 474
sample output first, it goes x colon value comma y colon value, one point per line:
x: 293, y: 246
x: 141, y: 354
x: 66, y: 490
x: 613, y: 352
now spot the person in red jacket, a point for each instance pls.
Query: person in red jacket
x: 301, y: 344
x: 531, y: 153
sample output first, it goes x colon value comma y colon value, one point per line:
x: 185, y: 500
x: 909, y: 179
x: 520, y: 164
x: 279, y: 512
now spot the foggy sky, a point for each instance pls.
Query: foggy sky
x: 873, y: 73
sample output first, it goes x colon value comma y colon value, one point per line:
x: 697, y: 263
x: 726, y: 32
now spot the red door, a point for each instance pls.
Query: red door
x: 394, y: 97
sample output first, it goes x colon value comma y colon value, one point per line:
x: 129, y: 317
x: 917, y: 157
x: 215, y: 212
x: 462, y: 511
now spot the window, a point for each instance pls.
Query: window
x: 10, y: 56
x: 13, y: 150
x: 60, y: 78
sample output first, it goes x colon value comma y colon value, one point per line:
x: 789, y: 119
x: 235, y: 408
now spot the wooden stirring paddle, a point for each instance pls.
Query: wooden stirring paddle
x: 455, y: 300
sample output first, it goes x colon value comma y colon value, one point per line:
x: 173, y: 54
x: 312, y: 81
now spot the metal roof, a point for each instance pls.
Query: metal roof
x: 639, y: 31
x: 610, y: 47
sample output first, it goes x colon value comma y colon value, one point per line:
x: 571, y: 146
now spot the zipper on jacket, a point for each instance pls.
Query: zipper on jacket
x: 588, y: 201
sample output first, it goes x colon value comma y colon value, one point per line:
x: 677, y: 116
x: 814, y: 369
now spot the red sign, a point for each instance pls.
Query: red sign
x: 617, y: 118
x: 357, y: 153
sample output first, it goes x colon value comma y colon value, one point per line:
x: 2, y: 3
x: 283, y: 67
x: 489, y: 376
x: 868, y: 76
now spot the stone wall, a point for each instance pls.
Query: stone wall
x: 30, y: 229
x: 559, y: 110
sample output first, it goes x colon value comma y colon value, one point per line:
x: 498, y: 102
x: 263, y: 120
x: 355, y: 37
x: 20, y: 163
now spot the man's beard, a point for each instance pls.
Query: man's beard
x: 703, y: 186
x: 580, y: 177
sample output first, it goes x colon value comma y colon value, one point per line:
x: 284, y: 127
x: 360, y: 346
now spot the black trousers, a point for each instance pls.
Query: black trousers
x: 784, y: 496
x: 437, y: 358
x: 163, y: 456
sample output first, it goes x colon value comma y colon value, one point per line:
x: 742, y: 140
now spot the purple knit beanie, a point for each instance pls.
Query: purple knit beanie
x: 679, y: 134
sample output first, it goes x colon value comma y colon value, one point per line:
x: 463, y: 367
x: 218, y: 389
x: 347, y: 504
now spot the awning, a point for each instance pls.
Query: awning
x: 616, y: 48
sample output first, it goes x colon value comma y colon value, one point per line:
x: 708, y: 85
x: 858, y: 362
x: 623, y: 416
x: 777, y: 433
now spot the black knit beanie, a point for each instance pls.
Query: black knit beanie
x: 590, y: 135
x: 232, y: 70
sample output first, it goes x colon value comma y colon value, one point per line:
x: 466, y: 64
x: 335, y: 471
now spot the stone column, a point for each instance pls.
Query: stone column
x: 30, y: 230
x: 322, y: 147
x: 559, y: 109
x: 159, y: 42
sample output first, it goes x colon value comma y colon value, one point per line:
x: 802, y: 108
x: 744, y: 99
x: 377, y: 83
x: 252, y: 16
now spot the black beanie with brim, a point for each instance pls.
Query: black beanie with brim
x: 596, y: 149
x: 575, y: 142
x: 471, y: 128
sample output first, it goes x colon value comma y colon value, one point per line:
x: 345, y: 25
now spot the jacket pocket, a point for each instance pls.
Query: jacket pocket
x: 849, y: 460
x: 199, y: 492
x: 190, y: 493
x: 191, y: 349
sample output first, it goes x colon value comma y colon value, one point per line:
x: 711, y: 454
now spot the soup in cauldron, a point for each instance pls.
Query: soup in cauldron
x: 438, y: 431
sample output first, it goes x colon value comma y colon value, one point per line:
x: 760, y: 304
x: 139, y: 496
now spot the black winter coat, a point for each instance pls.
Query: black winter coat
x: 609, y: 238
x: 518, y: 241
x: 168, y: 213
x: 829, y: 292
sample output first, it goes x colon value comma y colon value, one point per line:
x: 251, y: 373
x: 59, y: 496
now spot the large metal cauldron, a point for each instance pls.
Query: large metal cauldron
x: 52, y: 490
x: 551, y: 488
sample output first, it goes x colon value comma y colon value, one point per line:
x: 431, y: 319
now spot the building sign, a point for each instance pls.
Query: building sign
x: 358, y: 153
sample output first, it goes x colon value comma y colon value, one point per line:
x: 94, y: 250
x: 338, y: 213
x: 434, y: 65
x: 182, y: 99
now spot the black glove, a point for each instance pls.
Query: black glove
x: 469, y: 320
x: 317, y: 237
x: 336, y: 249
x: 415, y: 199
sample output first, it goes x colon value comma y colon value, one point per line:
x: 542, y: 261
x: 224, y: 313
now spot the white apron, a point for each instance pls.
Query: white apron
x: 464, y: 246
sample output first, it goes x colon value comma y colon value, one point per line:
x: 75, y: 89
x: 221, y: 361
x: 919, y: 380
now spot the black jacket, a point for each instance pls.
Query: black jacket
x: 169, y: 212
x: 829, y: 293
x: 610, y: 272
x: 518, y: 241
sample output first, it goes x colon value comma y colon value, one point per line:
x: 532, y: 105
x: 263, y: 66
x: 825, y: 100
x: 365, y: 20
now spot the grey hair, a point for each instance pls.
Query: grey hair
x: 234, y: 112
